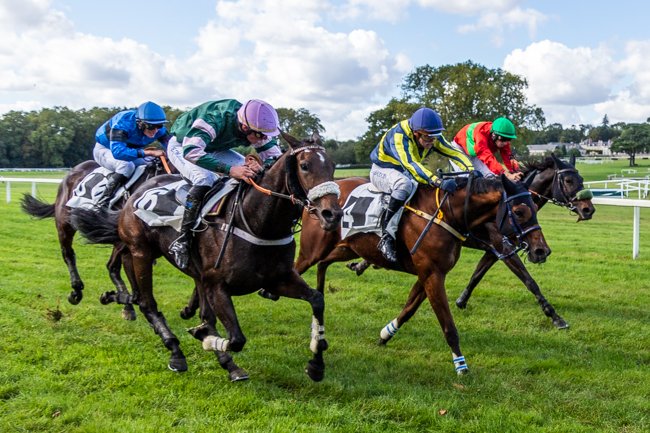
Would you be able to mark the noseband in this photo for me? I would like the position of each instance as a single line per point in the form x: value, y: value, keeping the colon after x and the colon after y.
x: 519, y: 231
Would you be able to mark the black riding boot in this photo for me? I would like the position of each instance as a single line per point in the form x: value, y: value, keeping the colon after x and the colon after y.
x: 387, y: 242
x: 180, y: 248
x: 115, y: 180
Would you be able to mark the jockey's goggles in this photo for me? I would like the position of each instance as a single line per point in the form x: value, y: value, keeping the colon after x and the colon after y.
x: 257, y: 134
x: 151, y: 126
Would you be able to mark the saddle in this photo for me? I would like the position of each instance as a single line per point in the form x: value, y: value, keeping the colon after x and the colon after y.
x: 164, y: 205
x: 92, y: 187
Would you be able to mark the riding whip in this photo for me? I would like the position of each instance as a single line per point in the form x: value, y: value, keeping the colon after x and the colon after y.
x: 229, y: 228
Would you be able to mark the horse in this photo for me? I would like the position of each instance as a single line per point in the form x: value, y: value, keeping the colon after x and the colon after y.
x: 550, y: 180
x: 66, y: 230
x: 479, y: 201
x: 251, y: 246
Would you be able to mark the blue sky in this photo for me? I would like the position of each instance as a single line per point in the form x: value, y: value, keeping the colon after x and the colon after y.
x: 339, y: 59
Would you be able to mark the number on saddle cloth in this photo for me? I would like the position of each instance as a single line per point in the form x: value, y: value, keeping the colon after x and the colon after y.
x: 92, y: 187
x: 164, y: 205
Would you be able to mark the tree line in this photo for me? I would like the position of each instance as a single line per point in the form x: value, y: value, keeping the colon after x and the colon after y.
x: 462, y: 93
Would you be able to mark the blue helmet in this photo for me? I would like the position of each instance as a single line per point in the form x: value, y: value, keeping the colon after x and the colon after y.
x: 152, y: 113
x: 425, y: 119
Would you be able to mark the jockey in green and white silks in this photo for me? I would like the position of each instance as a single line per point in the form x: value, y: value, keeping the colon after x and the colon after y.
x: 397, y: 167
x: 202, y: 150
x: 120, y: 143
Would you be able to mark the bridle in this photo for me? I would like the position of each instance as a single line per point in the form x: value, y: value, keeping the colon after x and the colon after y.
x: 559, y: 195
x: 506, y: 218
x: 303, y: 198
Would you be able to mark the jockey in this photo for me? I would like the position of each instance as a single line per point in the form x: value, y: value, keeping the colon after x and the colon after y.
x: 397, y: 167
x: 482, y: 140
x: 121, y: 141
x: 202, y: 151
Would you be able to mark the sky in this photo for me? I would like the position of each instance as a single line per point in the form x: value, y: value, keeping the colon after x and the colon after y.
x: 341, y: 60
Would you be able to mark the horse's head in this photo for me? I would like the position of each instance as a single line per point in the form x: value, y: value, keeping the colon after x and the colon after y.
x: 561, y: 184
x: 517, y: 216
x: 310, y: 173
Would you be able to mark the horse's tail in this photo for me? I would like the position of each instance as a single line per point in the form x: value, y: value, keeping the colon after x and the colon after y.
x: 36, y: 208
x: 98, y: 227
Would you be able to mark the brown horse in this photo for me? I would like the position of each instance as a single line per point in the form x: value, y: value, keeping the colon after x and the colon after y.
x: 465, y: 211
x: 256, y: 238
x: 66, y: 231
x: 551, y: 180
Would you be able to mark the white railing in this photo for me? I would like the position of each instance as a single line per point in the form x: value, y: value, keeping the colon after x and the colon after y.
x: 637, y: 205
x: 34, y: 181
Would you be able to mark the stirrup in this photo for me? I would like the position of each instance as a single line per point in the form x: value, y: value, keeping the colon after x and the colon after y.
x: 180, y: 250
x: 386, y: 246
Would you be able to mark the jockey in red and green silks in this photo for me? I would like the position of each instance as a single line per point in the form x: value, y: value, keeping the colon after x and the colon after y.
x: 482, y: 140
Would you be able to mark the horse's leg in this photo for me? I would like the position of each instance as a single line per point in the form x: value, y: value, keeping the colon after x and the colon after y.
x: 359, y: 267
x: 515, y: 264
x: 435, y: 290
x: 66, y: 236
x: 295, y: 287
x: 207, y: 333
x: 141, y: 280
x: 487, y: 261
x: 122, y: 296
x: 338, y: 254
x: 415, y: 299
x: 192, y: 305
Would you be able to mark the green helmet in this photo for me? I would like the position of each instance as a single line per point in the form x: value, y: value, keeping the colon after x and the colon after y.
x: 504, y: 128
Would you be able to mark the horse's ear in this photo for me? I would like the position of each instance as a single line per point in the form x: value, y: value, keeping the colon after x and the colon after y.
x: 293, y: 142
x: 572, y: 160
x: 508, y: 185
x: 555, y: 159
x: 315, y: 137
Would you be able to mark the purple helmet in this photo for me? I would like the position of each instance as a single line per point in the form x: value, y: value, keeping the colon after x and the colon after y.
x: 259, y: 116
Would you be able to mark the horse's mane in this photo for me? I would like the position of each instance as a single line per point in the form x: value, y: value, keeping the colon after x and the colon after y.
x: 480, y: 185
x: 542, y: 165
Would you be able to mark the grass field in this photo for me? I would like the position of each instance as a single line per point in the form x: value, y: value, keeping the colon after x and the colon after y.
x: 83, y: 369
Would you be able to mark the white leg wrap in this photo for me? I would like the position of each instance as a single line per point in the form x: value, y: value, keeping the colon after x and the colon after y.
x: 213, y: 343
x: 459, y: 363
x: 389, y: 330
x: 317, y: 334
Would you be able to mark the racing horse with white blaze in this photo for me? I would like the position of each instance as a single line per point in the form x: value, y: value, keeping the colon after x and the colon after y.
x: 251, y: 246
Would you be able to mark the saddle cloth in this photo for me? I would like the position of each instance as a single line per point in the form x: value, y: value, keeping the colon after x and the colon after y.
x: 92, y: 187
x: 165, y: 205
x: 362, y: 210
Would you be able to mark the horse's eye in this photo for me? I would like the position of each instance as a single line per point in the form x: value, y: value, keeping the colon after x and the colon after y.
x: 304, y: 166
x: 519, y: 213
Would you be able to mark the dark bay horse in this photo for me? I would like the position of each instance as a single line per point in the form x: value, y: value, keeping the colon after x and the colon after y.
x: 550, y: 180
x: 466, y: 210
x: 65, y: 229
x: 256, y: 233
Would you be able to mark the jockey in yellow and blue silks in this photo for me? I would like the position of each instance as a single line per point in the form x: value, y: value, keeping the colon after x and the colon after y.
x: 122, y: 140
x: 397, y: 167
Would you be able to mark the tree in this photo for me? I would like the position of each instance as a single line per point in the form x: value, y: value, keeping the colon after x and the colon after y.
x: 14, y: 129
x: 379, y: 122
x: 468, y: 92
x: 299, y: 123
x: 634, y: 138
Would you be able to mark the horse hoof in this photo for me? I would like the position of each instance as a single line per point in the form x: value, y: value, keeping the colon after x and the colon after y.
x: 560, y: 324
x: 128, y: 315
x: 238, y: 375
x: 187, y: 313
x: 381, y: 342
x: 315, y: 371
x: 461, y: 304
x: 462, y: 371
x: 177, y: 364
x: 75, y: 297
x: 106, y: 298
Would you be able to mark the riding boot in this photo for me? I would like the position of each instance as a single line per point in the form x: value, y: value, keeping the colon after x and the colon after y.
x: 115, y: 180
x: 180, y: 248
x: 387, y: 242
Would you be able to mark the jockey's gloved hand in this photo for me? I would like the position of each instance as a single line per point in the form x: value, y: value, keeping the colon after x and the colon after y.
x: 447, y: 185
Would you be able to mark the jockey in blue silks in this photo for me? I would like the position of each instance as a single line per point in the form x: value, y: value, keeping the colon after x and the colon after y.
x: 121, y: 141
